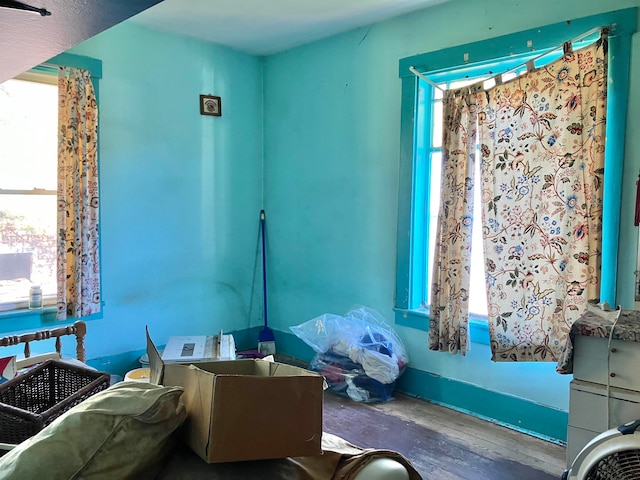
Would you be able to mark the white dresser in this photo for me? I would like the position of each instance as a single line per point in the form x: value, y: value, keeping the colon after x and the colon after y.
x: 588, y: 395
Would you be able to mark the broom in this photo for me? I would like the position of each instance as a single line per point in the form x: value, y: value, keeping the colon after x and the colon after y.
x: 266, y: 340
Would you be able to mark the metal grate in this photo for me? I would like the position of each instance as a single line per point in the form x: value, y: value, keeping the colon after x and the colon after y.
x: 624, y: 465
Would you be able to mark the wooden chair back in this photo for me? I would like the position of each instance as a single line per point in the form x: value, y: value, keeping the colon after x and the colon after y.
x: 79, y: 329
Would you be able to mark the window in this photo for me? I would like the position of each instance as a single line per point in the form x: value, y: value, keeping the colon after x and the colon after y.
x: 428, y: 136
x: 430, y: 145
x: 421, y: 124
x: 28, y: 177
x: 477, y: 297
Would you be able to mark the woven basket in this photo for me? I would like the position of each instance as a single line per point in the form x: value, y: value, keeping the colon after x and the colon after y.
x: 33, y: 400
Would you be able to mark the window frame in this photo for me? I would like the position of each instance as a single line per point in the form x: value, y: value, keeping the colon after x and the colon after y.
x: 412, y: 233
x: 47, y: 78
x: 424, y: 138
x: 21, y: 316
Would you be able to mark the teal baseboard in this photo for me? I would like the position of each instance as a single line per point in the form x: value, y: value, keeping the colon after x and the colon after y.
x: 121, y: 363
x: 117, y: 364
x: 289, y: 344
x: 512, y: 412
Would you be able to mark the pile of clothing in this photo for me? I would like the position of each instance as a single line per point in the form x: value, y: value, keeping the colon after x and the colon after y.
x: 358, y: 353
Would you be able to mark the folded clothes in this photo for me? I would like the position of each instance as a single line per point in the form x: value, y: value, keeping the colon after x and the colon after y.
x: 379, y: 366
x: 348, y: 379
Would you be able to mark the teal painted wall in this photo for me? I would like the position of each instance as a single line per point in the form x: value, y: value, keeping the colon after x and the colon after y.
x: 332, y: 136
x: 180, y: 192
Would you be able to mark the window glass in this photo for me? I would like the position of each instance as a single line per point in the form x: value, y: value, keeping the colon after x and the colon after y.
x: 434, y: 208
x: 436, y: 130
x: 28, y: 164
x: 477, y: 292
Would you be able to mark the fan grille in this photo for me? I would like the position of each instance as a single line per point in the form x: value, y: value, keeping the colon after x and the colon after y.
x: 624, y: 465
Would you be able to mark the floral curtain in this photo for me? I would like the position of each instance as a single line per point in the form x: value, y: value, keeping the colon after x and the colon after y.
x: 78, y: 263
x: 542, y: 140
x: 449, y: 303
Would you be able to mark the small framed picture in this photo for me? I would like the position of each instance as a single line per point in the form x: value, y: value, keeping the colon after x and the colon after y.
x: 210, y: 105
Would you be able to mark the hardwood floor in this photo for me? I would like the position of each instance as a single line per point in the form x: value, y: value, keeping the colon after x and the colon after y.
x: 442, y: 443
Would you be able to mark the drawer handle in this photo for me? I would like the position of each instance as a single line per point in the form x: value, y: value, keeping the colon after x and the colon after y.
x: 614, y: 350
x: 612, y: 374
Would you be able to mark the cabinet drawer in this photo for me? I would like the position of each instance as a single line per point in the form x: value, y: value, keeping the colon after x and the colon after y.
x: 590, y: 362
x: 588, y: 406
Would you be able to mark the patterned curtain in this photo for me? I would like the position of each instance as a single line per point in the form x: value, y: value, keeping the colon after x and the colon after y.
x: 449, y: 303
x: 78, y: 257
x: 542, y: 147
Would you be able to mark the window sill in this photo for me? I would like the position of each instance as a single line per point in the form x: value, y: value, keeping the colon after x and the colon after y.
x: 419, y: 319
x: 25, y: 319
x: 23, y: 312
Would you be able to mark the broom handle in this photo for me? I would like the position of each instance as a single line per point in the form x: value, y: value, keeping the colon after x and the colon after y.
x: 264, y: 268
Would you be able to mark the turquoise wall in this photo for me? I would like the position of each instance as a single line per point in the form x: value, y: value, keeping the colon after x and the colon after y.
x: 180, y: 192
x: 332, y: 140
x: 314, y: 131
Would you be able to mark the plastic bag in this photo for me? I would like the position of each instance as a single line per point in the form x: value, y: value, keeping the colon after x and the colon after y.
x: 348, y: 379
x: 363, y: 336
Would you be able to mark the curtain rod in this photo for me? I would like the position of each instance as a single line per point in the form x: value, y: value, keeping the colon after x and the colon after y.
x: 558, y: 47
x: 413, y: 70
x: 22, y: 6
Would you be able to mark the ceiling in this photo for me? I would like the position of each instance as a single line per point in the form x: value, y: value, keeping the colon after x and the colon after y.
x: 263, y: 27
x: 28, y: 39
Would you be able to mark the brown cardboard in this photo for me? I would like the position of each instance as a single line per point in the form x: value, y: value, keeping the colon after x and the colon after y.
x: 245, y: 409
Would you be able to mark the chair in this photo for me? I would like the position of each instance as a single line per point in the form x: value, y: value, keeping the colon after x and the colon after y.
x: 79, y: 329
x: 15, y: 265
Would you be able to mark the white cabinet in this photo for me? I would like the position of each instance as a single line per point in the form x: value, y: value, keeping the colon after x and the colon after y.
x: 588, y: 401
x: 590, y: 362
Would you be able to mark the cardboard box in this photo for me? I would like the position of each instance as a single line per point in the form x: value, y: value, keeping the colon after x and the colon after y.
x: 245, y: 409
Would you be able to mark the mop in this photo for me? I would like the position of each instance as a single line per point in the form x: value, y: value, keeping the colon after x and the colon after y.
x: 266, y: 340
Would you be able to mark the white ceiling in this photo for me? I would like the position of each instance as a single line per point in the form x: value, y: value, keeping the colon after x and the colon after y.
x: 28, y: 39
x: 263, y: 27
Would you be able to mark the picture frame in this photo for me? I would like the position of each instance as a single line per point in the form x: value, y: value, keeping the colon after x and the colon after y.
x: 210, y: 105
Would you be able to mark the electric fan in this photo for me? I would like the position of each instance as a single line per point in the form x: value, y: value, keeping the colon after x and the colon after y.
x: 612, y: 455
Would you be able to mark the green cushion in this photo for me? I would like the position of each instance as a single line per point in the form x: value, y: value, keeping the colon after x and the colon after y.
x: 121, y: 432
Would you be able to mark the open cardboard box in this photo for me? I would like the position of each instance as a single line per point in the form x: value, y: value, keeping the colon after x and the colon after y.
x: 245, y: 409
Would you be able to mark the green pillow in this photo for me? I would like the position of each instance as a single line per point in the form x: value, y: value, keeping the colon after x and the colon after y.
x: 121, y: 432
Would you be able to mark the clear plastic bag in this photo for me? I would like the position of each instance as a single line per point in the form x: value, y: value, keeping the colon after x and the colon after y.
x: 348, y: 379
x: 361, y: 335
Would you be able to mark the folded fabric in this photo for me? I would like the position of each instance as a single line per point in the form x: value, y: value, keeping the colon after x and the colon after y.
x: 379, y: 366
x: 340, y: 460
x: 121, y: 432
x: 343, y: 460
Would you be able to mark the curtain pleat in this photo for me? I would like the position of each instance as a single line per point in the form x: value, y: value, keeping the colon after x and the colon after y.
x: 78, y: 262
x: 449, y: 303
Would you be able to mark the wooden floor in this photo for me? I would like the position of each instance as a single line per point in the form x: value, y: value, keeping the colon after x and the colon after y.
x: 441, y: 443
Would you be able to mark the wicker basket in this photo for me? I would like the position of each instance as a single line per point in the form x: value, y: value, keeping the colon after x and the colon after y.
x: 33, y: 400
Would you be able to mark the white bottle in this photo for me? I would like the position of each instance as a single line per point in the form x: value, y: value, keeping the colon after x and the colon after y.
x: 35, y: 297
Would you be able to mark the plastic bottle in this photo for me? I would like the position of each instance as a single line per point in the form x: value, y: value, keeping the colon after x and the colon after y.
x: 35, y: 297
